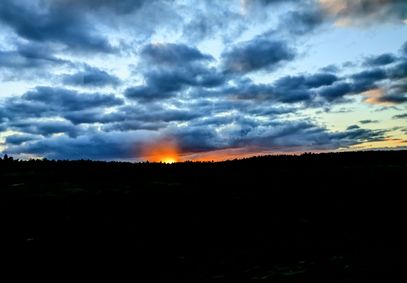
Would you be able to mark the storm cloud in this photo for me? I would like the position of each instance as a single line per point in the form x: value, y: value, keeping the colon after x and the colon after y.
x: 173, y: 54
x: 52, y: 23
x: 91, y: 77
x: 255, y: 55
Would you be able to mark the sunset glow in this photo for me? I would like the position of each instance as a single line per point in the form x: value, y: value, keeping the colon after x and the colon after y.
x: 165, y: 151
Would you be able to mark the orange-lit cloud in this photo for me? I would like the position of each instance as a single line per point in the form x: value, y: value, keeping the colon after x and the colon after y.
x: 362, y: 12
x: 334, y: 6
x: 375, y: 96
x: 164, y: 150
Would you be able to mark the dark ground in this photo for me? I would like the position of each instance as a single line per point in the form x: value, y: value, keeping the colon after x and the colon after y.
x: 310, y: 218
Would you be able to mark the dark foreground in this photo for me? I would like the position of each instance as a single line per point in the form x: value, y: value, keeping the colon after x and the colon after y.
x: 312, y: 218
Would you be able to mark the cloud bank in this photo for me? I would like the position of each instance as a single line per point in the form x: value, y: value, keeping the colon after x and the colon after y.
x: 99, y: 79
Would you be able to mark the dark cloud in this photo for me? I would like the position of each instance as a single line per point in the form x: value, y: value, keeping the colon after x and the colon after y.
x: 167, y: 81
x: 380, y: 60
x: 173, y: 54
x: 130, y: 125
x: 64, y: 99
x: 161, y: 84
x: 399, y: 87
x: 148, y: 93
x: 336, y: 92
x: 250, y: 4
x: 368, y: 79
x: 358, y: 134
x: 370, y: 75
x: 166, y: 115
x: 197, y: 139
x: 270, y: 110
x: 276, y: 135
x: 169, y: 69
x: 133, y: 117
x: 288, y: 89
x: 20, y: 138
x: 52, y: 24
x: 393, y: 98
x: 91, y: 77
x: 53, y: 102
x: 246, y: 90
x: 320, y: 79
x: 404, y: 49
x: 368, y: 121
x: 400, y: 116
x: 154, y: 113
x: 99, y: 146
x: 91, y: 116
x: 301, y: 19
x: 324, y: 87
x: 294, y: 89
x: 397, y: 92
x: 269, y: 2
x: 330, y: 69
x: 370, y: 82
x: 301, y: 22
x: 120, y: 7
x: 257, y: 54
x: 129, y: 21
x: 303, y: 135
x: 213, y: 18
x: 352, y: 127
x: 398, y: 71
x: 310, y: 89
x: 45, y: 128
x: 28, y: 56
x: 21, y: 109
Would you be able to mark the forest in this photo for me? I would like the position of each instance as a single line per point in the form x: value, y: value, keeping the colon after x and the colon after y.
x: 329, y: 217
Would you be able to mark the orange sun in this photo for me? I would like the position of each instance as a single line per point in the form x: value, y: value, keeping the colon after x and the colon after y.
x: 165, y: 150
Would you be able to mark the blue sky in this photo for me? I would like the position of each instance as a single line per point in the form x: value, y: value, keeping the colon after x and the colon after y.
x: 105, y: 79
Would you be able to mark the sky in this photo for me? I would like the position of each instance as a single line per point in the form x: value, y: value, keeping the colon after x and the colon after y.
x: 176, y: 80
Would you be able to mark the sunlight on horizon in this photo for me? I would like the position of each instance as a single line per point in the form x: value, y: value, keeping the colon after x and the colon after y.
x: 163, y: 150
